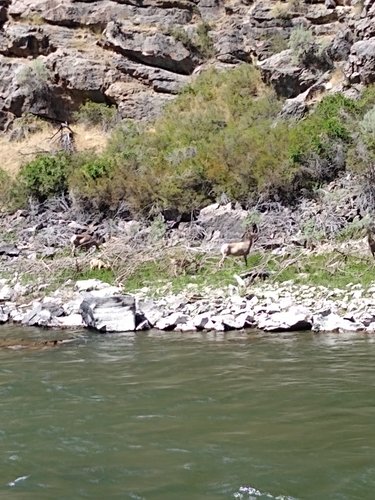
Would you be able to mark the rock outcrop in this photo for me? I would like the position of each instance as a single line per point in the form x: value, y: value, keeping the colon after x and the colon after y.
x: 138, y: 54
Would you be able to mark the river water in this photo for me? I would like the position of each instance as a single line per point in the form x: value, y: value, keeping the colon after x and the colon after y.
x: 179, y: 416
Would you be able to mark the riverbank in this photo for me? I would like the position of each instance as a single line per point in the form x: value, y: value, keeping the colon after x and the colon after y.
x: 278, y: 306
x: 310, y: 268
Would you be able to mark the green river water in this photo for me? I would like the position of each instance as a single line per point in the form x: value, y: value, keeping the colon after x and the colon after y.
x: 178, y: 416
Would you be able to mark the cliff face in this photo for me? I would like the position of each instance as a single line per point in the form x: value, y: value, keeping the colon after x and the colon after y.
x: 137, y: 54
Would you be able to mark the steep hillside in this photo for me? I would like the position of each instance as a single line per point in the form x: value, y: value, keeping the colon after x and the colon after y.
x: 138, y: 54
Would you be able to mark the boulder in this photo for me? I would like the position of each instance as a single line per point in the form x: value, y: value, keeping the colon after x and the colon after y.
x: 235, y: 321
x: 74, y: 14
x: 106, y: 292
x: 83, y: 76
x: 22, y: 40
x: 71, y: 321
x: 365, y: 28
x: 320, y: 14
x: 288, y: 78
x: 227, y: 221
x: 149, y: 310
x: 6, y: 293
x: 361, y: 66
x: 230, y: 47
x: 135, y: 101
x: 295, y: 319
x: 159, y: 79
x: 339, y: 48
x: 37, y: 317
x: 89, y: 285
x: 9, y: 250
x: 171, y: 321
x: 328, y: 321
x: 185, y: 327
x: 203, y: 321
x: 111, y: 314
x: 153, y: 49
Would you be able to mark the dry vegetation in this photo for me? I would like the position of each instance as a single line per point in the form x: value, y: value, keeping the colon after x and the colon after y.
x: 161, y: 267
x: 18, y: 153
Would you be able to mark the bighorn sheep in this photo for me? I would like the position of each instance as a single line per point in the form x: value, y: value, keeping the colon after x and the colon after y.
x: 84, y: 241
x: 98, y: 264
x: 240, y: 248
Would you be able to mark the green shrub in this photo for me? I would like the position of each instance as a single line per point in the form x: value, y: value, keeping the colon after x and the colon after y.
x: 331, y: 121
x: 222, y: 134
x: 367, y: 123
x: 303, y: 45
x: 7, y: 185
x: 44, y: 176
x: 276, y: 43
x: 97, y: 114
x: 34, y: 76
x: 203, y: 41
x: 200, y: 42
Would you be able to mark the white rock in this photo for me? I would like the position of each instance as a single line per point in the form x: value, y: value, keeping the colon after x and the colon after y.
x: 185, y: 327
x: 106, y: 292
x: 150, y: 310
x: 71, y: 321
x: 6, y: 293
x: 296, y: 318
x: 171, y: 321
x: 112, y: 314
x: 334, y: 323
x: 91, y: 284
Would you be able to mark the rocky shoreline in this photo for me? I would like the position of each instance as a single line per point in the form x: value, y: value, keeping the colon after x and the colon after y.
x: 268, y: 307
x: 35, y: 254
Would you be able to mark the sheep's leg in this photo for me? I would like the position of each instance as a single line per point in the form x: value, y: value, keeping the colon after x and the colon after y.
x: 245, y: 259
x: 221, y: 262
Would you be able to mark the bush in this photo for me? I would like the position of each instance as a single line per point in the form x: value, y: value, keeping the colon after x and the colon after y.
x: 367, y: 124
x: 282, y: 11
x: 222, y: 134
x: 6, y: 190
x: 203, y: 41
x: 303, y: 45
x: 200, y: 42
x: 35, y: 76
x: 45, y: 176
x: 276, y: 43
x: 97, y: 114
x: 332, y: 120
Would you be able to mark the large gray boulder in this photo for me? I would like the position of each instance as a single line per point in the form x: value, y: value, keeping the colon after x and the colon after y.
x: 112, y: 314
x: 37, y: 317
x: 288, y: 78
x: 224, y: 220
x: 22, y: 40
x: 154, y: 49
x: 295, y: 319
x: 361, y: 67
x: 159, y: 79
x: 6, y: 293
x: 328, y: 321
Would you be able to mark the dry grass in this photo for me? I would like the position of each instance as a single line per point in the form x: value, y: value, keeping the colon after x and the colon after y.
x: 281, y: 10
x: 15, y: 154
x: 337, y: 76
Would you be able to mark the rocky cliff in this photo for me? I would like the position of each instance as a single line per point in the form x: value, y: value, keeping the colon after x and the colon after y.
x: 137, y: 54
